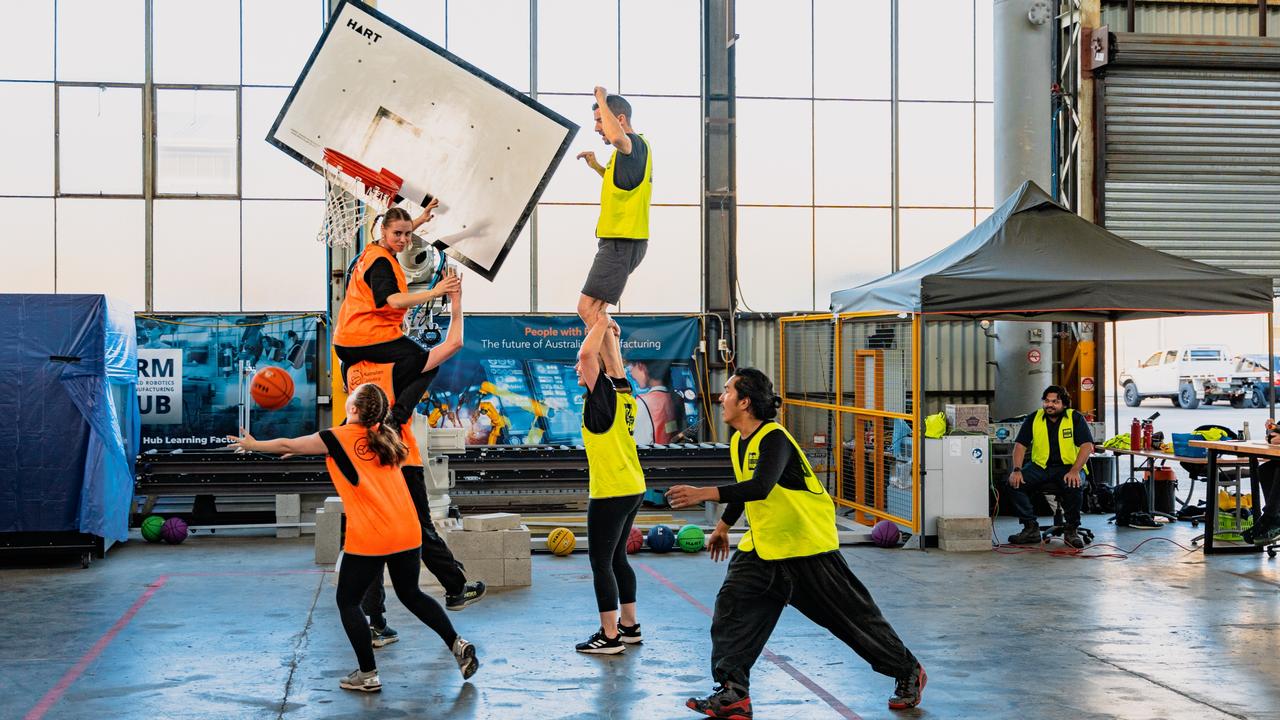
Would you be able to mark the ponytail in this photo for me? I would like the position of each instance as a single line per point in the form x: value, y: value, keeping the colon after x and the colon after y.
x: 374, y: 413
x: 756, y: 387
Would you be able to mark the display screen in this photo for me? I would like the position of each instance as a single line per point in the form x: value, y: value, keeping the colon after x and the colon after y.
x: 556, y: 386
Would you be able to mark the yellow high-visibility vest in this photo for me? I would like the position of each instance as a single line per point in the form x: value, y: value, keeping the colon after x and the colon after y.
x: 787, y: 523
x: 1066, y: 439
x: 625, y: 213
x: 612, y: 460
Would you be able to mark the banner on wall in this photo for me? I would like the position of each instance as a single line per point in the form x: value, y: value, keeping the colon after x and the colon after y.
x: 514, y: 382
x: 189, y: 376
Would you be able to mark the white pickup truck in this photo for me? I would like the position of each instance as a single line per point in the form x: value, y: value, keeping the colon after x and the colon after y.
x: 1189, y: 375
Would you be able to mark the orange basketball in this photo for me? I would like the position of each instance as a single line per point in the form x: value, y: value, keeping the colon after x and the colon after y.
x: 272, y: 388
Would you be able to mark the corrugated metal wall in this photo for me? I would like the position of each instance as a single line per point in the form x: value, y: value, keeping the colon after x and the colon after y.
x: 1190, y: 19
x: 957, y: 364
x: 956, y: 360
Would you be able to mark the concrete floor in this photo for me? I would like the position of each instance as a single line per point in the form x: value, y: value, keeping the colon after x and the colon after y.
x: 245, y: 627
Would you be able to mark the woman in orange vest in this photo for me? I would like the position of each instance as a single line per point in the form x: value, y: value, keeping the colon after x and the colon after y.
x: 372, y: 314
x: 364, y: 458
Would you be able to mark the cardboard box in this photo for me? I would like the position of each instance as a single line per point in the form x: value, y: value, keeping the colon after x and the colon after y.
x: 967, y: 418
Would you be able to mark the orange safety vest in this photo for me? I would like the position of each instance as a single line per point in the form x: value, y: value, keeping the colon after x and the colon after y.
x: 360, y: 321
x: 380, y: 515
x: 367, y: 371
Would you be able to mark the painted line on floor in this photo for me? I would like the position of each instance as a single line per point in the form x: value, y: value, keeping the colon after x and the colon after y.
x: 55, y: 694
x: 786, y: 667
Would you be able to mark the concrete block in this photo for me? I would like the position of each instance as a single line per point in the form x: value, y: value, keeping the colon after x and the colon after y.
x: 965, y: 527
x: 490, y: 571
x: 515, y: 543
x: 491, y: 521
x: 517, y: 571
x: 333, y: 505
x: 288, y: 532
x: 964, y: 534
x: 474, y: 545
x: 328, y: 537
x: 288, y: 506
x: 966, y: 545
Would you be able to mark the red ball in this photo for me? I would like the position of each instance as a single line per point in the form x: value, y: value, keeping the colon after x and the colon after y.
x: 635, y: 540
x: 272, y: 388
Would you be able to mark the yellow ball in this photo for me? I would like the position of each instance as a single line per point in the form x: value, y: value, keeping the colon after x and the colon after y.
x: 561, y: 541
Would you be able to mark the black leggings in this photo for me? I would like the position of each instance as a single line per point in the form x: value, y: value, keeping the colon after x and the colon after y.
x: 435, y: 553
x: 354, y: 577
x: 609, y: 521
x: 408, y: 381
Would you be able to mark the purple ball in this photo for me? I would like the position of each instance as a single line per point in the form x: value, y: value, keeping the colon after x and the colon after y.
x: 174, y: 530
x: 886, y: 534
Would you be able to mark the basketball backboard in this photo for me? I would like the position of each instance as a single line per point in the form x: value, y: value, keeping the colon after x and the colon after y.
x: 389, y: 98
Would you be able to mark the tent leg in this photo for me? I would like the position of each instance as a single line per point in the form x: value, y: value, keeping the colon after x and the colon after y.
x: 1115, y: 395
x: 1271, y: 364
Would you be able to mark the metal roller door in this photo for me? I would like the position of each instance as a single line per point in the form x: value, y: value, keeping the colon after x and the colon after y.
x: 1192, y: 163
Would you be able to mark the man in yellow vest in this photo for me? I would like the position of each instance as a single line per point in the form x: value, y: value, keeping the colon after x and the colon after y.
x: 790, y: 556
x: 625, y: 190
x: 1060, y: 444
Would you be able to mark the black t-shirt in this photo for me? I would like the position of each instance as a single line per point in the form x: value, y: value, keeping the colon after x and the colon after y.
x: 778, y: 464
x: 628, y: 170
x: 1079, y: 433
x: 602, y: 402
x: 381, y: 279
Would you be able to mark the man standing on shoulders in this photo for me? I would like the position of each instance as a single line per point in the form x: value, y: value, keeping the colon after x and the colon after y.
x: 623, y: 228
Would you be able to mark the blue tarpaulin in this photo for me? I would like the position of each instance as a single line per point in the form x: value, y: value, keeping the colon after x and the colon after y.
x: 69, y: 422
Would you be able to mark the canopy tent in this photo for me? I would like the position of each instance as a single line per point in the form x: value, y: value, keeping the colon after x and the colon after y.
x: 1034, y: 260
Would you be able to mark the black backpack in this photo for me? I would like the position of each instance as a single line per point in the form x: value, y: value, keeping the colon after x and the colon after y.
x: 1130, y: 499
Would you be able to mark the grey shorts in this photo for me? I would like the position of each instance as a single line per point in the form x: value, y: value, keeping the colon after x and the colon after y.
x: 614, y: 263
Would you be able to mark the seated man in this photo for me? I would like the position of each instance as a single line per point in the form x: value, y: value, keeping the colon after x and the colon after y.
x: 1060, y: 444
x: 1266, y: 529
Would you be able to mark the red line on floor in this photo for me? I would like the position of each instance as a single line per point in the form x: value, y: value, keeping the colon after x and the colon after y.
x: 786, y: 667
x: 55, y: 694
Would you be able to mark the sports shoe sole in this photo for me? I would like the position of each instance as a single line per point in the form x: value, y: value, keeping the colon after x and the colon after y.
x: 630, y: 640
x: 383, y: 642
x: 602, y: 651
x: 734, y: 716
x: 471, y: 664
x: 359, y: 688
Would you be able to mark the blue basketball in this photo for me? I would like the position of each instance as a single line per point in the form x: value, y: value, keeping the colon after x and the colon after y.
x: 661, y: 539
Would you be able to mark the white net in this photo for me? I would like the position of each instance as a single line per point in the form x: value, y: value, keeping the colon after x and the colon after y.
x: 343, y: 208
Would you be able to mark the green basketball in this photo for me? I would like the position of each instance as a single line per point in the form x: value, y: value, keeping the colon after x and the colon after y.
x: 691, y: 539
x: 151, y: 528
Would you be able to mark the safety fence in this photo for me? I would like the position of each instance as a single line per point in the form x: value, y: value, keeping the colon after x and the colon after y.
x: 848, y: 387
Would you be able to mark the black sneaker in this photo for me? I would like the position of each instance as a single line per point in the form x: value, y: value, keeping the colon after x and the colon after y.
x: 471, y: 593
x: 1071, y: 536
x: 909, y: 690
x: 598, y: 644
x: 1264, y: 533
x: 630, y: 634
x: 729, y: 701
x: 1030, y: 535
x: 383, y: 636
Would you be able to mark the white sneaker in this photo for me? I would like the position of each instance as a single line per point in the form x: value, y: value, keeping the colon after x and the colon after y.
x: 362, y: 681
x: 465, y: 653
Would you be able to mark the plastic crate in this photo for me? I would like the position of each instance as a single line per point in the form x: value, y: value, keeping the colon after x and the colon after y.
x: 1227, y: 529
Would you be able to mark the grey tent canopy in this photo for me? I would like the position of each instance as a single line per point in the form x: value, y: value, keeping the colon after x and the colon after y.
x: 1034, y: 260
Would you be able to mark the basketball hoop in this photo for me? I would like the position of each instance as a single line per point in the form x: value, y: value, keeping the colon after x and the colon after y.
x: 346, y: 184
